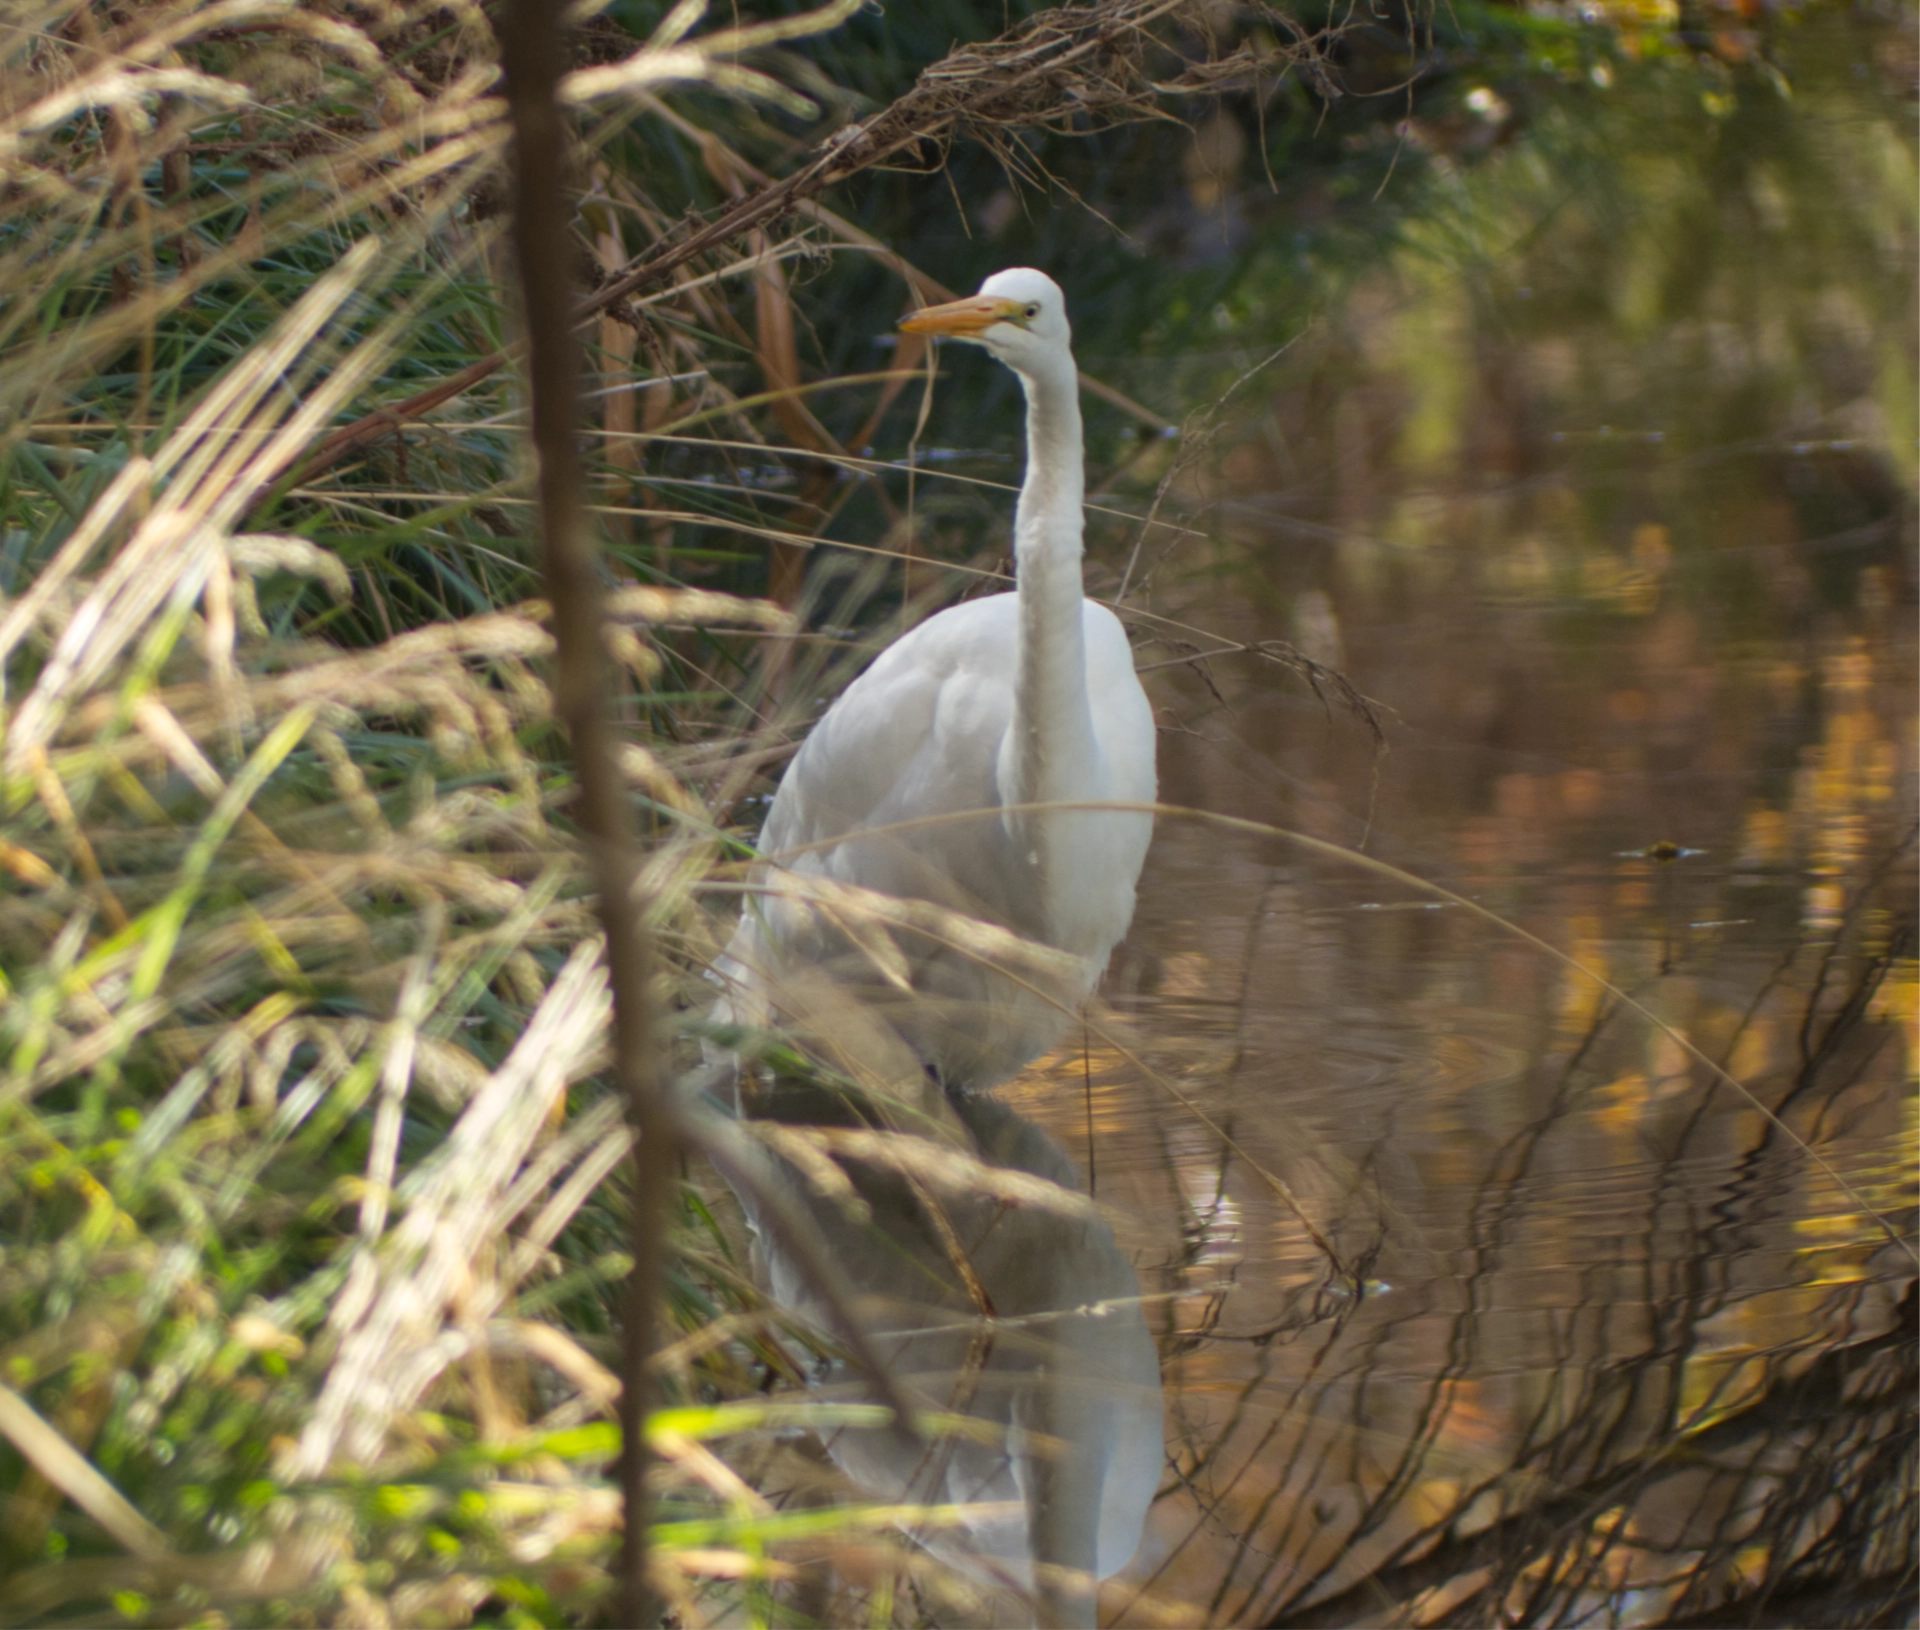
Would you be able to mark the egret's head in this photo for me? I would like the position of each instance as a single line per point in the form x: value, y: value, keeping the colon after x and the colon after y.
x: 1019, y: 315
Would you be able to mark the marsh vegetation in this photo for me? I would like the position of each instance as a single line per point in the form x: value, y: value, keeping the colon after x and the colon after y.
x: 1500, y: 429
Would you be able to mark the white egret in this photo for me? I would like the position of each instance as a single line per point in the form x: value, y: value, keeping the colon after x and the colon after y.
x: 923, y: 780
x: 930, y: 780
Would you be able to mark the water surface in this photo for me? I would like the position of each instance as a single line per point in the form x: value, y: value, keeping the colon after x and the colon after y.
x: 1474, y: 1283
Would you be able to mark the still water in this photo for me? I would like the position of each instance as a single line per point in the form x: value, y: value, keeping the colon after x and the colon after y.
x: 1479, y: 1293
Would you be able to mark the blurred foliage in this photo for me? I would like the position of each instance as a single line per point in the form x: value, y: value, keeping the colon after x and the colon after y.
x: 1644, y: 331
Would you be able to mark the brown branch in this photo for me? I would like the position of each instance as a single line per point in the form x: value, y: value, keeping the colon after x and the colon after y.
x: 1068, y: 69
x: 532, y: 51
x: 389, y: 420
x: 1822, y: 1390
x: 1889, y: 1598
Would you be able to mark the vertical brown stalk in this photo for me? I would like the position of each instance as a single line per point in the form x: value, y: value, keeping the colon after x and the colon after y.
x: 532, y: 53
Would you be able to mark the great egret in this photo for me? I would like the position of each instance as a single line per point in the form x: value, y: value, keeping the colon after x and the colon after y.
x: 929, y: 780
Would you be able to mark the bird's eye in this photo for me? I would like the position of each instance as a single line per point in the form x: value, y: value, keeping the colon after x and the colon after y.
x: 1032, y: 312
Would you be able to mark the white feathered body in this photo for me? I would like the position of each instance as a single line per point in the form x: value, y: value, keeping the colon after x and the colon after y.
x: 937, y: 795
x: 904, y: 788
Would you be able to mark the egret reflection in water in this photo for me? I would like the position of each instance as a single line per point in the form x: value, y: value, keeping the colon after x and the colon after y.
x: 988, y: 1295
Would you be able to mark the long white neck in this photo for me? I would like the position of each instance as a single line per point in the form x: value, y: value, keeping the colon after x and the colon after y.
x: 1054, y: 751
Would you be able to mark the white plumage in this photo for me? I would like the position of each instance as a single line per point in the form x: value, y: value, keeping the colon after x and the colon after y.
x: 961, y: 726
x: 930, y: 781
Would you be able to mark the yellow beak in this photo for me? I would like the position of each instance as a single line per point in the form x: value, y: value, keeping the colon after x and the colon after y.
x: 965, y: 319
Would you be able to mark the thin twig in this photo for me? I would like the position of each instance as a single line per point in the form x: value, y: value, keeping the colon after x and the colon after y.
x: 1064, y: 67
x: 533, y: 57
x: 1196, y: 437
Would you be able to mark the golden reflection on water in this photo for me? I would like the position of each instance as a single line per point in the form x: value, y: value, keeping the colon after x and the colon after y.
x: 1606, y: 501
x: 1416, y: 1205
x: 1533, y: 1189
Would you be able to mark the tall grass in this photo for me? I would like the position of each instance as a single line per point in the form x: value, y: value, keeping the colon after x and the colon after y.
x: 313, y: 1225
x: 308, y: 1231
x: 312, y: 1247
